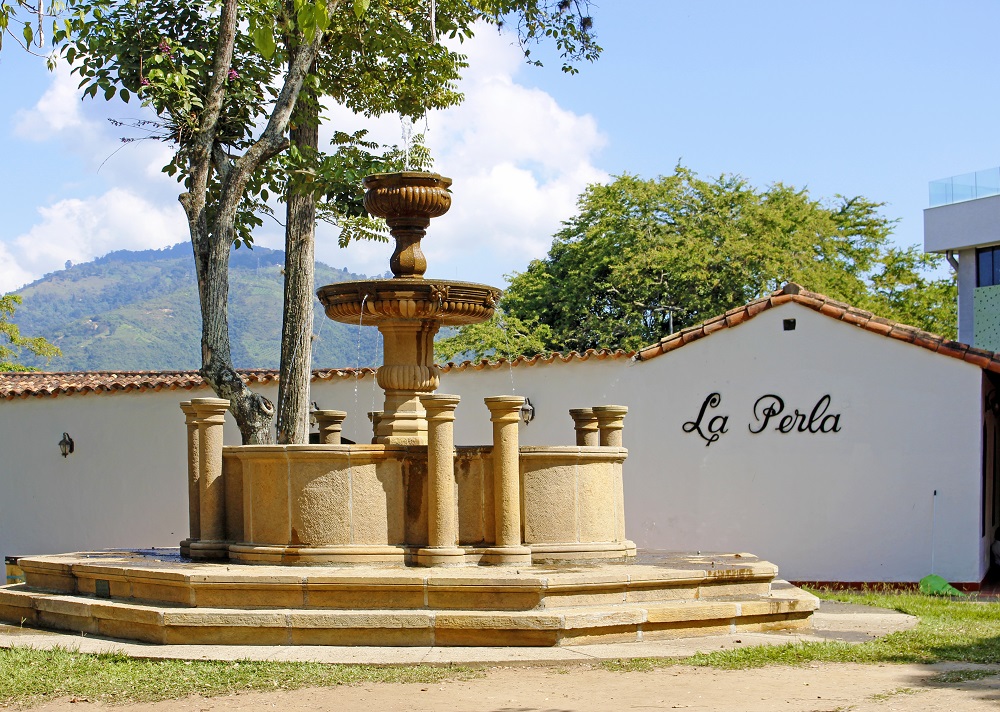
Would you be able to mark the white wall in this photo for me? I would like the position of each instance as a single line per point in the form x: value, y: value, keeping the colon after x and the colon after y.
x: 851, y: 506
x: 123, y: 485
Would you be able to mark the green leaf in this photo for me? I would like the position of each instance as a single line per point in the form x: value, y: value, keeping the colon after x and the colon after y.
x: 263, y: 40
x: 361, y: 7
x: 29, y: 35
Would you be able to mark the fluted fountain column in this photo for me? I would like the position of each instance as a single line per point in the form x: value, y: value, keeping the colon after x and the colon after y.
x: 194, y: 496
x: 505, y: 413
x: 211, y: 416
x: 442, y: 521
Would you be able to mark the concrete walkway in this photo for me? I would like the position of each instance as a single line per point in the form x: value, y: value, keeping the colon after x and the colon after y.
x: 834, y: 621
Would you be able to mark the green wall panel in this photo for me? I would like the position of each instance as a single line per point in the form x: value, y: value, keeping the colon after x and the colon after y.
x: 986, y: 308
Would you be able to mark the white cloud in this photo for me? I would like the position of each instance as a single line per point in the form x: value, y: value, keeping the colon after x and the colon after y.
x: 80, y: 230
x: 12, y: 275
x: 58, y: 110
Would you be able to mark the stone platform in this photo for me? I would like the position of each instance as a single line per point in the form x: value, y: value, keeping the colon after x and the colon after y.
x: 158, y: 597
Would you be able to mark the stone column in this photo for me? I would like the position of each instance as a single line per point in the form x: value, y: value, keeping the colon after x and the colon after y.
x: 610, y: 421
x: 331, y: 423
x: 194, y: 498
x: 442, y: 521
x: 211, y: 414
x: 585, y: 424
x: 505, y: 413
x: 375, y: 416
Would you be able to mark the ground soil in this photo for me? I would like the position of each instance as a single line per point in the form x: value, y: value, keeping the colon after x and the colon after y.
x: 584, y: 688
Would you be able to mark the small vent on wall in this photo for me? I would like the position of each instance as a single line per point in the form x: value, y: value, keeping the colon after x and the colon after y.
x: 788, y: 324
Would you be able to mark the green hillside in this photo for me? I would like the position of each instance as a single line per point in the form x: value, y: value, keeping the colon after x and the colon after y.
x: 139, y: 311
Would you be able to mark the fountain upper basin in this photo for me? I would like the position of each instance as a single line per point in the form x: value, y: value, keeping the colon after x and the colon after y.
x: 447, y: 302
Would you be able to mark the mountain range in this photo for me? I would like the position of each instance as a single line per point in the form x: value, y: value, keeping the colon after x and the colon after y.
x: 138, y: 310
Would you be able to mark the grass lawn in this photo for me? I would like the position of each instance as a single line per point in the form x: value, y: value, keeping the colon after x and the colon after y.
x: 948, y: 631
x: 29, y: 676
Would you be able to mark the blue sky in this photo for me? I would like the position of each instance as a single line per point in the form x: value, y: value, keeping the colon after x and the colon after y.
x: 858, y: 98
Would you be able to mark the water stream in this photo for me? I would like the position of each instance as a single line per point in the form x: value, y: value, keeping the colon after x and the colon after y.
x: 502, y: 325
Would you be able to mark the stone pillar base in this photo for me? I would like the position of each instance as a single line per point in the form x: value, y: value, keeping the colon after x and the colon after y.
x: 186, y: 547
x: 506, y: 556
x: 209, y: 549
x: 439, y: 556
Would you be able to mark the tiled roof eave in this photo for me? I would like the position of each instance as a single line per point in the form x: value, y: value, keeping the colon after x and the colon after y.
x: 51, y: 384
x: 831, y: 308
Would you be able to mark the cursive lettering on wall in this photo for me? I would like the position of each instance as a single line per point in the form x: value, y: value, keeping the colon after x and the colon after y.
x: 770, y: 408
x: 716, y: 425
x: 769, y: 413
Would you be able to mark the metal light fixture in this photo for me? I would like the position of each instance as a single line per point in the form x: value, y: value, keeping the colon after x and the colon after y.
x: 527, y: 411
x: 66, y: 445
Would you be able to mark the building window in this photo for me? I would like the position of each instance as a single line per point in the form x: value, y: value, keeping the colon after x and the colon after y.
x: 987, y: 266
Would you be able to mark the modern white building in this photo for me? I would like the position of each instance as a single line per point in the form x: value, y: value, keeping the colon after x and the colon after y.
x: 963, y: 222
x: 841, y: 446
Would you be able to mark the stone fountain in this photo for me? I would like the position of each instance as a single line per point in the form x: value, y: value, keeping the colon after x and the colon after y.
x: 408, y: 540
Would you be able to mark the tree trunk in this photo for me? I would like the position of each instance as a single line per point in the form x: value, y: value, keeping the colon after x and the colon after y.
x: 297, y: 322
x: 253, y: 412
x: 212, y: 242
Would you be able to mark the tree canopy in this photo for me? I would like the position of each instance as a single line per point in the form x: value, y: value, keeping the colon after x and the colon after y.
x: 13, y: 343
x: 642, y: 254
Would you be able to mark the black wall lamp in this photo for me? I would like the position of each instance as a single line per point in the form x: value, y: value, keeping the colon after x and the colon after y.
x: 66, y: 445
x: 527, y: 411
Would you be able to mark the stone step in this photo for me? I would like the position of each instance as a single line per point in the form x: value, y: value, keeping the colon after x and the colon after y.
x: 786, y: 607
x: 144, y: 579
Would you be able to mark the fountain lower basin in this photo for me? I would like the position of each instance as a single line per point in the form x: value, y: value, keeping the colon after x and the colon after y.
x: 354, y: 504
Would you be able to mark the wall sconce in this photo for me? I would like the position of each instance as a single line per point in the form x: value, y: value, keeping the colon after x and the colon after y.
x: 66, y: 445
x: 527, y: 411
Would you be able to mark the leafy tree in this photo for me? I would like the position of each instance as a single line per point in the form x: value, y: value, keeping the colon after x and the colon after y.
x: 226, y: 98
x: 13, y: 342
x: 503, y: 336
x: 642, y: 253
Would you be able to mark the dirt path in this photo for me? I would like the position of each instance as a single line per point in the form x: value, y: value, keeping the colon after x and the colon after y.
x: 816, y: 688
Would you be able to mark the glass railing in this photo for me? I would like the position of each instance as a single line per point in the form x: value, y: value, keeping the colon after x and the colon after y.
x: 968, y: 186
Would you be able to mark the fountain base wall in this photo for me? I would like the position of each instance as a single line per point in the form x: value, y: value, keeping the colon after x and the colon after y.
x: 362, y: 504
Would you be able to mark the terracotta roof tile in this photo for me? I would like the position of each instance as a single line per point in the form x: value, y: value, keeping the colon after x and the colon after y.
x: 879, y: 326
x: 736, y: 317
x: 48, y: 383
x: 596, y: 354
x: 835, y: 310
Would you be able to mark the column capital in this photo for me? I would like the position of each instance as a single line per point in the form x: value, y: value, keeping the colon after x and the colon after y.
x: 440, y: 405
x: 609, y: 413
x: 504, y: 409
x: 213, y: 409
x: 611, y: 421
x: 330, y: 423
x: 189, y: 412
